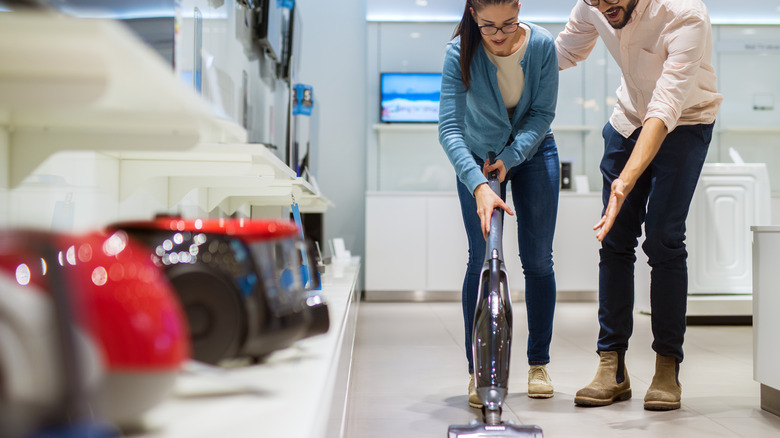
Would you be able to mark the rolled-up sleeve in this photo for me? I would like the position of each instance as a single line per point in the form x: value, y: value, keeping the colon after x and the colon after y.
x: 535, y: 125
x: 577, y: 40
x: 680, y: 69
x: 452, y: 113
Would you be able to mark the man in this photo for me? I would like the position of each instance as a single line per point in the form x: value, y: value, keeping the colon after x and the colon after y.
x: 655, y: 144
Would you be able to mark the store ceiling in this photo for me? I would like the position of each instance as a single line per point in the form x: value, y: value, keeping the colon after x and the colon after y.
x: 721, y: 11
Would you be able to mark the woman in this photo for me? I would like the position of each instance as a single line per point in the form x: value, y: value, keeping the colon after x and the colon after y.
x: 499, y: 90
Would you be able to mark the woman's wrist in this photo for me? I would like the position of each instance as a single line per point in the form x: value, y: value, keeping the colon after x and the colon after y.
x: 477, y: 189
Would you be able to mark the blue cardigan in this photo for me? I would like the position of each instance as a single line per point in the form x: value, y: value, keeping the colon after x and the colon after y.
x: 474, y: 122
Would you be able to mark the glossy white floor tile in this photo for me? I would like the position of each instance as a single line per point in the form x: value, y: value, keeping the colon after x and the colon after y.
x: 410, y: 378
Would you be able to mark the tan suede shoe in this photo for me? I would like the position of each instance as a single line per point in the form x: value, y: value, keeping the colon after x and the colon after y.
x: 665, y: 391
x: 611, y: 383
x: 474, y: 400
x: 539, y: 382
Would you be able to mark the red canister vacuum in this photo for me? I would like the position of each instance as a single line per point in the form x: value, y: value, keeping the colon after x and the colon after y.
x: 240, y: 282
x: 90, y: 333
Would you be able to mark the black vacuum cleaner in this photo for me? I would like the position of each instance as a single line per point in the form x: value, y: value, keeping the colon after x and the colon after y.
x: 492, y: 338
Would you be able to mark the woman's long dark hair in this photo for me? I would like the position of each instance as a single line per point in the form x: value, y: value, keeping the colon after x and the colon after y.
x: 469, y: 35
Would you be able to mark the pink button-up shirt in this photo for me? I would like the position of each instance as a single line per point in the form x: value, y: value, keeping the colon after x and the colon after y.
x: 665, y: 54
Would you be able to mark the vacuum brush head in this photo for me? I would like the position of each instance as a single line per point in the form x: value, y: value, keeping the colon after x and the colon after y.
x: 503, y: 430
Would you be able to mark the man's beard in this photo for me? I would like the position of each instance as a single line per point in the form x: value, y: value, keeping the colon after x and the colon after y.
x: 627, y: 11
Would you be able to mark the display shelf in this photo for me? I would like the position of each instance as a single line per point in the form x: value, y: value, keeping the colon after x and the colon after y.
x: 401, y: 127
x: 298, y: 392
x: 574, y: 128
x: 86, y: 84
x: 451, y: 193
x: 389, y: 127
x: 758, y: 130
x: 236, y: 173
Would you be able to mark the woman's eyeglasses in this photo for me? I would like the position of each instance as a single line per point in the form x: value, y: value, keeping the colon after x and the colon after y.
x: 595, y: 3
x: 489, y: 30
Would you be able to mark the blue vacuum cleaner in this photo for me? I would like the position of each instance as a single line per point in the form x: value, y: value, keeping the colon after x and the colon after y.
x: 492, y: 338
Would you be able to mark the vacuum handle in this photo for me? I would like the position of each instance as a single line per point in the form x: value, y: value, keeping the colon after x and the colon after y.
x: 493, y: 174
x: 496, y: 222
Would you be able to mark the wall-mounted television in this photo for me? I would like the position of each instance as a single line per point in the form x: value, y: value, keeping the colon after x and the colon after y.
x: 270, y: 18
x: 409, y: 97
x: 291, y: 41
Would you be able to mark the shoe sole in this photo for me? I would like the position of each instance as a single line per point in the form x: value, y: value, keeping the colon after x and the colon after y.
x: 540, y: 395
x: 475, y: 405
x: 588, y: 401
x: 661, y: 406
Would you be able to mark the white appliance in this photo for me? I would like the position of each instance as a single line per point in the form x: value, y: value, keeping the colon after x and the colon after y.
x: 729, y: 199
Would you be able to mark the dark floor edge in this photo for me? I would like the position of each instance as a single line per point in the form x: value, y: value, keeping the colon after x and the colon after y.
x: 770, y: 399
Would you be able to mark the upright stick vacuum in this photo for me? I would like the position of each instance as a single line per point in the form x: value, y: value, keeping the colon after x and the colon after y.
x: 492, y: 338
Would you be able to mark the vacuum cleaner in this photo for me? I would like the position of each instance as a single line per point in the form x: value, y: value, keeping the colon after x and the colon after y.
x: 239, y: 281
x: 492, y: 338
x: 91, y: 334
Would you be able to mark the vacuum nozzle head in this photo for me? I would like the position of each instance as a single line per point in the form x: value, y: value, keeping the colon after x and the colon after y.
x: 503, y: 430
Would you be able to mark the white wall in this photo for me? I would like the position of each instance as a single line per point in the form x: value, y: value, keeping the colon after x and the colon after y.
x: 334, y: 63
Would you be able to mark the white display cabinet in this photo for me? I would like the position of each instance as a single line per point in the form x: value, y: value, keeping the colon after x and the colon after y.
x: 396, y: 242
x: 418, y: 250
x: 766, y: 325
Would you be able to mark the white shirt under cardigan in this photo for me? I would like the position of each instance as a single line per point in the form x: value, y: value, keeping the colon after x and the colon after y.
x: 665, y: 55
x: 511, y: 79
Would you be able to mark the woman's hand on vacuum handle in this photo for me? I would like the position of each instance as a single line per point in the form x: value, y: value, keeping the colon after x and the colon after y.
x: 487, y: 201
x: 498, y: 165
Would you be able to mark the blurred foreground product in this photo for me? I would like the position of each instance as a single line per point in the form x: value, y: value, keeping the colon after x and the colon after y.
x: 89, y: 327
x: 241, y: 283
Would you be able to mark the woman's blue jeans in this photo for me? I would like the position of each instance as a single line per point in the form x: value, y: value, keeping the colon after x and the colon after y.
x: 535, y: 187
x: 660, y: 199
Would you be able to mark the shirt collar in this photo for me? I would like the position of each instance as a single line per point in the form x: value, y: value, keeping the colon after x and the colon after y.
x: 639, y: 10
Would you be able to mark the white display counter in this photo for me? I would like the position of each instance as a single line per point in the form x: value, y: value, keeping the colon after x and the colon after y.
x: 421, y: 234
x: 766, y: 324
x: 299, y: 392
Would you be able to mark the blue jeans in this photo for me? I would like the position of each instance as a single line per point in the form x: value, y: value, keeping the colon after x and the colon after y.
x: 660, y: 200
x: 535, y: 186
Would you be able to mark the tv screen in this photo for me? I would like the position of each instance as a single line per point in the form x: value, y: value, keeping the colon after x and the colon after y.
x: 269, y: 32
x: 291, y: 41
x: 410, y: 97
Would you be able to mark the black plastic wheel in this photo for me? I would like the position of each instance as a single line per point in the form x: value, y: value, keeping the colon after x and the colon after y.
x: 216, y: 314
